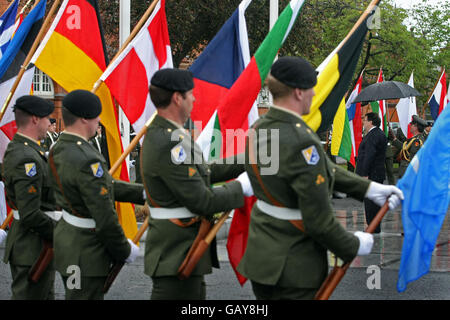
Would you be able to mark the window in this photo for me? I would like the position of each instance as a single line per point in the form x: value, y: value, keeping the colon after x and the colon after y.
x: 42, y: 85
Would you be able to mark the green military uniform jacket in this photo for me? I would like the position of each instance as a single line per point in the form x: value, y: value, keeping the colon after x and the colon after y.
x: 26, y: 178
x: 89, y: 192
x: 409, y: 148
x: 277, y: 252
x: 173, y: 179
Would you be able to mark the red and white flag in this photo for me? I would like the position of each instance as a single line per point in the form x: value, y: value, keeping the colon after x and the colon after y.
x: 406, y: 108
x: 128, y: 77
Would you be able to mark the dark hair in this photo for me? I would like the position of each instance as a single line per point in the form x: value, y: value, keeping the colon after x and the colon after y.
x: 68, y: 117
x: 373, y: 117
x: 161, y: 97
x: 277, y: 88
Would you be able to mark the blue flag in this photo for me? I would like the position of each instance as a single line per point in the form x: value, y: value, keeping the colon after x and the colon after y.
x: 32, y: 21
x: 7, y: 21
x: 426, y: 187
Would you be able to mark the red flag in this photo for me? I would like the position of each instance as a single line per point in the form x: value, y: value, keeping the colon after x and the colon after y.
x: 128, y: 77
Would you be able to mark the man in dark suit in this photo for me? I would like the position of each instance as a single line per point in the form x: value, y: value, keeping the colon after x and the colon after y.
x: 371, y: 158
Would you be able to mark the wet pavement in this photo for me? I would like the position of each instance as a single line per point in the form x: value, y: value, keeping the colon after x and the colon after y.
x: 133, y: 284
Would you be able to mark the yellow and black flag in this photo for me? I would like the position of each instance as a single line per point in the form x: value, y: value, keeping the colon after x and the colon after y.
x: 336, y: 73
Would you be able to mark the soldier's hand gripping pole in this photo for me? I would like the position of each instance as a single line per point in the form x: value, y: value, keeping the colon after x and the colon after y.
x: 200, y: 246
x: 115, y: 269
x: 336, y: 275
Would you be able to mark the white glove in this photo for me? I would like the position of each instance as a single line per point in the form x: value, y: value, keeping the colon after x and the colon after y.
x: 134, y: 252
x: 379, y: 193
x: 365, y: 243
x: 3, y: 235
x: 394, y: 202
x: 245, y: 183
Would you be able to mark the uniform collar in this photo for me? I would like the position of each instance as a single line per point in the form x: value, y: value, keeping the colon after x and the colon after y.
x: 26, y: 140
x: 169, y: 124
x: 283, y: 114
x: 72, y: 135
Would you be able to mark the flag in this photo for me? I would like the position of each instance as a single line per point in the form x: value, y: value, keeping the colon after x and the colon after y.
x: 347, y: 127
x: 232, y: 114
x: 233, y: 110
x: 438, y: 99
x: 426, y: 188
x: 128, y: 77
x: 335, y: 75
x: 379, y: 107
x: 406, y: 108
x: 10, y: 64
x: 7, y: 26
x: 73, y: 54
x: 218, y: 67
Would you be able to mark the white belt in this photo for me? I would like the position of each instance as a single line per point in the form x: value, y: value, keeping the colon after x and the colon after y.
x: 55, y: 215
x: 171, y: 213
x: 85, y: 223
x: 279, y: 212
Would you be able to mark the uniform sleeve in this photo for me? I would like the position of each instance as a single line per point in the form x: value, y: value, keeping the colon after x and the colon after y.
x: 310, y: 181
x: 349, y: 182
x: 227, y: 169
x: 28, y: 179
x: 96, y: 195
x: 128, y: 192
x: 188, y: 186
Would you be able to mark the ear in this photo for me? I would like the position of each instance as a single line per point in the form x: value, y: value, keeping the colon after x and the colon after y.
x: 177, y: 98
x: 298, y: 94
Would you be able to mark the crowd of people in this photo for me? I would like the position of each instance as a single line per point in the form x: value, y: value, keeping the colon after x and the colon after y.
x: 65, y: 200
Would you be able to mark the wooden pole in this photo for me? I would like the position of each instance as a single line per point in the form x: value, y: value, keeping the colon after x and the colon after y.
x: 7, y: 220
x: 132, y: 145
x: 130, y: 38
x: 29, y: 56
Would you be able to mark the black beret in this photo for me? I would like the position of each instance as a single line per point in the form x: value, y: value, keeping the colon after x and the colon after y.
x: 173, y: 80
x: 34, y: 105
x: 83, y: 104
x: 294, y: 72
x: 419, y: 121
x: 52, y: 120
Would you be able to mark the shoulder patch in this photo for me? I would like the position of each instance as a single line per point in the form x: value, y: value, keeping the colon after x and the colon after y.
x: 97, y: 169
x: 311, y: 155
x: 178, y: 154
x: 30, y: 169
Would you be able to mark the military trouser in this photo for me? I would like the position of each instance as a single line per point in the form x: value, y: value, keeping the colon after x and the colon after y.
x: 22, y: 289
x: 172, y: 288
x: 268, y: 292
x: 90, y: 288
x: 389, y: 163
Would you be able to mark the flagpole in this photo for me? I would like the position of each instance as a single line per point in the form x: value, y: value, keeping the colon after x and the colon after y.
x: 9, y: 7
x: 130, y: 38
x: 23, y: 9
x: 29, y: 56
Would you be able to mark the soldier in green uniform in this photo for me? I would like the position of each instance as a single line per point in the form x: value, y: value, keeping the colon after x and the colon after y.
x: 292, y: 223
x: 178, y: 184
x: 51, y: 136
x: 88, y: 238
x: 412, y: 145
x: 30, y: 195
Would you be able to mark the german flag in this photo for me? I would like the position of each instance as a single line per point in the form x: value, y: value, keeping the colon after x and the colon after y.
x: 336, y: 73
x: 73, y: 54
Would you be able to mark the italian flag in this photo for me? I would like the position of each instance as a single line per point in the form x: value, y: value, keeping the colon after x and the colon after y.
x: 380, y: 108
x: 232, y: 113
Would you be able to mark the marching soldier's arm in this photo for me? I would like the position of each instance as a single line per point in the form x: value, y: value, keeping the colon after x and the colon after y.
x: 397, y: 144
x: 128, y: 192
x: 28, y: 189
x: 186, y: 183
x: 95, y: 194
x: 310, y: 182
x: 349, y: 182
x: 228, y: 168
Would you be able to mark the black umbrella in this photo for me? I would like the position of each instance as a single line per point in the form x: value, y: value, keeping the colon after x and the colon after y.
x: 386, y: 90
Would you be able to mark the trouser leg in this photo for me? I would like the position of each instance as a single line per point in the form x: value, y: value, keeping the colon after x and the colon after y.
x: 172, y: 288
x: 22, y: 289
